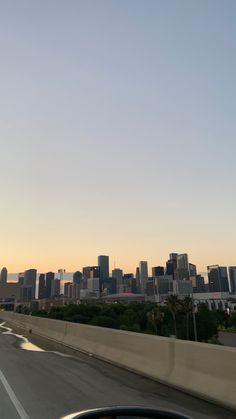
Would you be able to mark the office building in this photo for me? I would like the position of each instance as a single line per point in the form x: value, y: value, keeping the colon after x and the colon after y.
x: 170, y: 268
x: 143, y: 271
x: 117, y: 274
x: 192, y: 269
x: 182, y: 287
x: 171, y: 264
x: 198, y: 283
x: 21, y: 278
x: 103, y: 263
x: 42, y: 287
x: 67, y: 288
x: 76, y: 289
x: 11, y: 289
x: 3, y: 276
x: 134, y: 286
x: 218, y: 278
x: 9, y: 295
x: 78, y: 278
x: 163, y: 286
x: 94, y: 285
x: 56, y: 287
x: 150, y: 290
x: 137, y: 275
x: 173, y: 258
x: 232, y: 278
x: 109, y: 286
x: 86, y: 272
x: 157, y: 271
x: 182, y: 271
x: 49, y: 279
x: 30, y: 279
x: 26, y: 293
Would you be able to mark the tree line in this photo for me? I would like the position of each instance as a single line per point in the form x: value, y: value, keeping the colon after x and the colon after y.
x: 174, y: 318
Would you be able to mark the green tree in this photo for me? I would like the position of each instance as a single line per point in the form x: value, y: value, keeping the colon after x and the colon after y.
x: 187, y: 306
x: 104, y: 321
x: 173, y: 305
x: 206, y: 323
x: 155, y: 317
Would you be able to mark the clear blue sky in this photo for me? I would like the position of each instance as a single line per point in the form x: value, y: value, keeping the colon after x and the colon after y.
x: 117, y: 132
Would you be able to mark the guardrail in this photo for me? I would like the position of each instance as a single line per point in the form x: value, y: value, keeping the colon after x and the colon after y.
x: 205, y: 370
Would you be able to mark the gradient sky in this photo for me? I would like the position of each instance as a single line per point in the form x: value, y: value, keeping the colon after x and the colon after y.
x: 117, y: 132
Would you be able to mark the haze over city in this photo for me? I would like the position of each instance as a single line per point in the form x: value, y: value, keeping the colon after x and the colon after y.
x: 117, y: 133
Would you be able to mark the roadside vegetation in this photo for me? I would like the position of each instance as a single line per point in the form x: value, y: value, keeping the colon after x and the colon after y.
x: 174, y: 318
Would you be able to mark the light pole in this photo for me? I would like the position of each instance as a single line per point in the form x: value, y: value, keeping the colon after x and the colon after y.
x: 194, y: 320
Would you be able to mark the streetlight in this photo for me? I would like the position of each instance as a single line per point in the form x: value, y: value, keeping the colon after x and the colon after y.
x: 194, y: 320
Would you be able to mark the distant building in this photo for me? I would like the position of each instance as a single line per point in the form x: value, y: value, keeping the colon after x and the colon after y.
x: 171, y: 264
x: 163, y: 287
x: 157, y: 271
x: 198, y: 283
x: 26, y: 293
x: 137, y: 275
x: 86, y: 272
x: 56, y: 288
x: 67, y: 288
x: 127, y: 282
x: 182, y: 271
x: 3, y: 276
x: 134, y: 286
x: 94, y: 285
x: 117, y: 274
x: 192, y: 269
x: 214, y: 300
x: 21, y: 278
x: 30, y: 279
x: 150, y: 289
x: 9, y: 295
x: 218, y: 278
x: 143, y: 271
x: 182, y: 287
x: 170, y: 268
x: 73, y: 291
x: 78, y: 278
x: 103, y: 263
x: 109, y: 286
x: 173, y: 257
x: 42, y: 287
x: 124, y: 298
x: 49, y: 280
x: 232, y: 278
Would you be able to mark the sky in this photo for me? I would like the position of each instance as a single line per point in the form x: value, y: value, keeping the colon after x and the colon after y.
x: 117, y: 132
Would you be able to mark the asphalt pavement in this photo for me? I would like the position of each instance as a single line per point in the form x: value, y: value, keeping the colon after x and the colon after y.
x: 56, y: 381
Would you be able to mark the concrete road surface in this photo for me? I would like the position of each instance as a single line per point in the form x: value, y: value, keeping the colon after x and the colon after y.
x: 44, y: 384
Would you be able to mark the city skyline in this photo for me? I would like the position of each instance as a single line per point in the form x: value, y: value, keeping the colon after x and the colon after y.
x: 112, y: 267
x: 117, y: 132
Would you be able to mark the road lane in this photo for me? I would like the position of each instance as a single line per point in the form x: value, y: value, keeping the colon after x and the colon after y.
x: 49, y: 385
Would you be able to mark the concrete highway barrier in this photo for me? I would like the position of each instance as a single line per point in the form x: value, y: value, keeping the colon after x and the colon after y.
x: 208, y: 371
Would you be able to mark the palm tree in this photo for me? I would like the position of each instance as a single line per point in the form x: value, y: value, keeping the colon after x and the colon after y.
x: 155, y: 316
x: 187, y: 306
x: 173, y: 305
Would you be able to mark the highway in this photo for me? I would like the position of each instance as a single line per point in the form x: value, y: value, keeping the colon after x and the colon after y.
x: 52, y: 382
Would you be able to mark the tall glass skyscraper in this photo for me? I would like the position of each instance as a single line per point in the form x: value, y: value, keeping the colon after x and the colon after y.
x: 232, y: 278
x: 30, y: 279
x: 143, y: 276
x: 218, y: 278
x: 103, y: 263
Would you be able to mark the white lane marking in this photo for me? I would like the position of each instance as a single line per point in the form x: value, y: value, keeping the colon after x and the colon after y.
x: 17, y: 404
